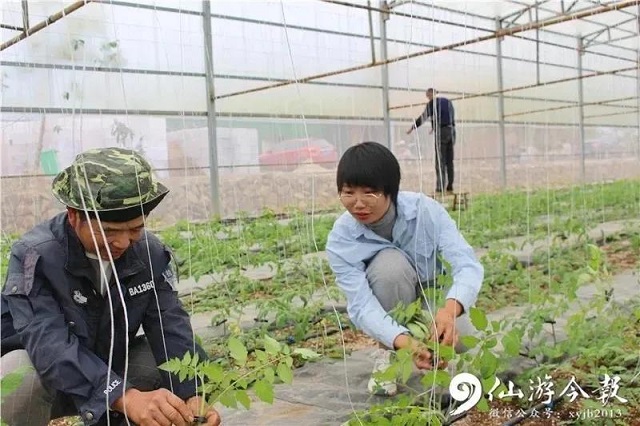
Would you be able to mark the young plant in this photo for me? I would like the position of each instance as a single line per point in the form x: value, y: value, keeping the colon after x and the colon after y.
x: 228, y: 381
x: 482, y: 359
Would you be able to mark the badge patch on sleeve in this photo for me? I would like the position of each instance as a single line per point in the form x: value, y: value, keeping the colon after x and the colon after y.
x: 79, y: 298
x: 170, y: 277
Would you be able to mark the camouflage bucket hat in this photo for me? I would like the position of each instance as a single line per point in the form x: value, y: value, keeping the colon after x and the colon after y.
x: 118, y: 180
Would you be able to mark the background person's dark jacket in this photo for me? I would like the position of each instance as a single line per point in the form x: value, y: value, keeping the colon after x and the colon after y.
x: 443, y: 116
x: 50, y: 308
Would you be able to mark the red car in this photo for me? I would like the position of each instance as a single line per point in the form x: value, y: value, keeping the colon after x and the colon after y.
x: 287, y: 155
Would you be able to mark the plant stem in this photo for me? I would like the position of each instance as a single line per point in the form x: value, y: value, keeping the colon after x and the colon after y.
x: 203, y: 400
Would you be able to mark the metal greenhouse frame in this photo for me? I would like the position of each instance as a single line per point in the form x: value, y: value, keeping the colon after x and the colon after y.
x: 529, y: 20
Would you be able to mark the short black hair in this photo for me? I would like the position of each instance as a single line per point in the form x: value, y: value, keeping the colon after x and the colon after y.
x: 431, y: 89
x: 371, y: 165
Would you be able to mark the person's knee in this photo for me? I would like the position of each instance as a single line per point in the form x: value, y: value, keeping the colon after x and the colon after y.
x: 392, y: 278
x: 143, y: 371
x: 18, y: 362
x: 29, y: 400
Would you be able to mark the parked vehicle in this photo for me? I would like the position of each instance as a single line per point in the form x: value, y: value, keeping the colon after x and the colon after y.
x: 289, y: 154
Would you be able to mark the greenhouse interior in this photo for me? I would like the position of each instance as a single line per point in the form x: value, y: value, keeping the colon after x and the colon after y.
x: 286, y: 147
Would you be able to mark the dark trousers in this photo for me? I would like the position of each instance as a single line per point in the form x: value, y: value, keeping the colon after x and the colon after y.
x: 445, y: 140
x: 32, y: 405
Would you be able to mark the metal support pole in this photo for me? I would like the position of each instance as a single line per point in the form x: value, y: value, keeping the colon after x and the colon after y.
x: 25, y: 15
x: 638, y: 93
x: 211, y: 109
x: 373, y: 46
x: 581, y: 112
x: 503, y: 143
x: 537, y: 47
x: 453, y: 46
x: 384, y: 16
x: 638, y: 79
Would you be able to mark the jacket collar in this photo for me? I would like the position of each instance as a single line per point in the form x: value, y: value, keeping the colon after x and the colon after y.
x: 77, y: 263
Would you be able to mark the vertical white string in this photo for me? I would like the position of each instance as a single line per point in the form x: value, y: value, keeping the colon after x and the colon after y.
x: 333, y: 307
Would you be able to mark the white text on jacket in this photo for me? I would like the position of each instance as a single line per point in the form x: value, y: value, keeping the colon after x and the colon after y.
x: 141, y: 288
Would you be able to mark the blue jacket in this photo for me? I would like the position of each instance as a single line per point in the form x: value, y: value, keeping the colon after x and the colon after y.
x: 443, y: 116
x: 422, y: 229
x: 50, y: 308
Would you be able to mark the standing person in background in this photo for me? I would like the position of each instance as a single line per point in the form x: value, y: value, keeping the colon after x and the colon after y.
x: 443, y: 122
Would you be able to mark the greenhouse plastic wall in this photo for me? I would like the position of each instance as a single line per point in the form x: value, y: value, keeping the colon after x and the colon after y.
x: 118, y: 73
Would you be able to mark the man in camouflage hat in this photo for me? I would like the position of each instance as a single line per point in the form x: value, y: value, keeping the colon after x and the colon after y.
x: 79, y: 287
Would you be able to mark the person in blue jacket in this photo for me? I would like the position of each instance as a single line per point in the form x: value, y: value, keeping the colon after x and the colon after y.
x: 385, y: 249
x: 441, y: 112
x: 72, y: 316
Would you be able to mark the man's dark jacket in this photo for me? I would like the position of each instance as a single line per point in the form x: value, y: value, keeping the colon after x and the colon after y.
x: 50, y: 308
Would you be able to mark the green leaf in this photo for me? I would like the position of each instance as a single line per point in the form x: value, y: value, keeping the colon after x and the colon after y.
x: 416, y: 331
x: 446, y: 352
x: 469, y: 341
x: 214, y: 372
x: 228, y: 399
x: 491, y: 343
x: 264, y: 391
x: 237, y: 350
x: 483, y: 405
x: 511, y: 343
x: 437, y: 377
x: 172, y: 366
x: 407, y: 369
x: 285, y: 374
x: 478, y: 319
x: 488, y: 364
x: 271, y: 345
x: 411, y: 310
x: 490, y: 382
x: 243, y: 398
x: 261, y: 356
x: 390, y: 374
x: 306, y: 353
x: 584, y: 278
x: 269, y: 374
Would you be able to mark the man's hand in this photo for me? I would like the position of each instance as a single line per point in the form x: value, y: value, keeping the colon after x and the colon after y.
x: 195, y: 404
x: 156, y: 408
x: 410, y: 130
x: 444, y: 327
